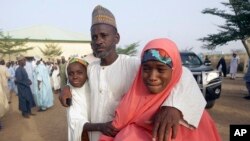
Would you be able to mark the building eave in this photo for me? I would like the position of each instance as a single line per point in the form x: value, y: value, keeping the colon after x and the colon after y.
x: 49, y: 40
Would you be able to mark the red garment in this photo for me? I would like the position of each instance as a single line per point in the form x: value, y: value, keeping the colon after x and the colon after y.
x: 139, y: 106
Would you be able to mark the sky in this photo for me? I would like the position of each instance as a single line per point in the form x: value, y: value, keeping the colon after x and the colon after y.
x: 137, y: 20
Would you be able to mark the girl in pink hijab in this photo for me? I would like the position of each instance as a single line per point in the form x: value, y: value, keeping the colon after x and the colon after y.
x: 160, y: 70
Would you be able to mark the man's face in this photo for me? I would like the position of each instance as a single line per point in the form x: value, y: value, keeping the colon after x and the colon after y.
x: 8, y: 64
x: 104, y: 40
x: 63, y: 60
x: 22, y: 62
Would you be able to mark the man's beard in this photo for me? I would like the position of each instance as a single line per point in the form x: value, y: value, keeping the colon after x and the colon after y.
x: 104, y: 54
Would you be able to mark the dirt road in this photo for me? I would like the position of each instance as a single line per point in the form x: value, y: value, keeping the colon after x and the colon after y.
x: 44, y: 126
x: 231, y: 107
x: 50, y: 125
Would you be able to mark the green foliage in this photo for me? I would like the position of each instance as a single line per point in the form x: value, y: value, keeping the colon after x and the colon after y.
x: 9, y: 46
x: 188, y: 49
x: 237, y: 26
x: 51, y: 50
x: 130, y: 49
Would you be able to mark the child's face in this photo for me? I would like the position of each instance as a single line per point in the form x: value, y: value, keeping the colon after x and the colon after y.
x: 77, y: 74
x: 156, y: 76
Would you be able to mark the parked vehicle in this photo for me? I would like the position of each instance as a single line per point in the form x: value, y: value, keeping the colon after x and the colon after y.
x: 207, y: 78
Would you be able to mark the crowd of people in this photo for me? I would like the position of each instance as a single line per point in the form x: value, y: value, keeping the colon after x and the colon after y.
x: 112, y: 96
x: 33, y: 80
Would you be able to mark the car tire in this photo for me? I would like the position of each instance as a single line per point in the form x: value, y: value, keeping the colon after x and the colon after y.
x: 210, y: 104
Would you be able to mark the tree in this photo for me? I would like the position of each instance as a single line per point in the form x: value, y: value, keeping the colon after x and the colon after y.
x: 129, y: 49
x: 237, y: 26
x: 188, y: 49
x: 9, y: 46
x: 52, y: 50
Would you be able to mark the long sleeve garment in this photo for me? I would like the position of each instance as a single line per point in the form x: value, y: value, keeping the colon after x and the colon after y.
x: 26, y: 101
x: 30, y: 70
x: 45, y: 95
x: 11, y: 80
x: 4, y: 105
x: 234, y: 65
x: 78, y: 112
x: 4, y: 75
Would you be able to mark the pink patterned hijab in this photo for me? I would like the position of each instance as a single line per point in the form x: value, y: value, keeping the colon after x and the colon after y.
x: 138, y: 106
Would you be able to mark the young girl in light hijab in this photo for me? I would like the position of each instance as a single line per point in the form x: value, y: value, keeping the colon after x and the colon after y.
x: 78, y: 112
x: 160, y: 71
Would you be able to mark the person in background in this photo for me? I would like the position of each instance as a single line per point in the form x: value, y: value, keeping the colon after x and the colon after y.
x: 56, y: 80
x: 45, y: 97
x: 4, y: 75
x: 30, y: 68
x: 15, y: 65
x: 222, y: 66
x: 111, y: 77
x: 4, y: 105
x: 62, y: 67
x: 234, y: 65
x: 207, y: 61
x: 11, y: 80
x: 25, y: 97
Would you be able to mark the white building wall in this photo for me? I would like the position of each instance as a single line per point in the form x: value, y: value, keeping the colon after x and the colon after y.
x: 68, y: 49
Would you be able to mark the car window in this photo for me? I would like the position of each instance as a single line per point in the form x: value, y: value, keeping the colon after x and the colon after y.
x: 190, y: 59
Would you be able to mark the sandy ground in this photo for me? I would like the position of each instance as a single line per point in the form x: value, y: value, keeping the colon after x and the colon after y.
x: 50, y: 125
x: 231, y: 108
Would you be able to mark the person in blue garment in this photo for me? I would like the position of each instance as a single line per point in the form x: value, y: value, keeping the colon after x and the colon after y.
x: 43, y: 87
x: 25, y: 97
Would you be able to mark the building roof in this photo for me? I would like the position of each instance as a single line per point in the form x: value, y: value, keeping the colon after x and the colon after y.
x: 47, y: 33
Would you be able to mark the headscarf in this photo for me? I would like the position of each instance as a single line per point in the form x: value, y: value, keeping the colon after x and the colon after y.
x: 138, y: 106
x: 157, y: 55
x: 73, y: 60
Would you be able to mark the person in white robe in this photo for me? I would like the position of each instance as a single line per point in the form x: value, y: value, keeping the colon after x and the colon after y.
x: 15, y: 66
x: 234, y: 65
x: 43, y: 87
x: 78, y: 113
x: 11, y: 80
x: 4, y: 76
x: 4, y: 105
x: 29, y: 67
x: 56, y: 81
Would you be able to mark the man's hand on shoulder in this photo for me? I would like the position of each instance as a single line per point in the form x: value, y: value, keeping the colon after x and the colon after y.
x: 108, y: 129
x: 166, y: 123
x: 65, y: 93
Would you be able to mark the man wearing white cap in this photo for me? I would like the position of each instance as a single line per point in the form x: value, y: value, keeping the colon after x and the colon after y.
x: 25, y: 97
